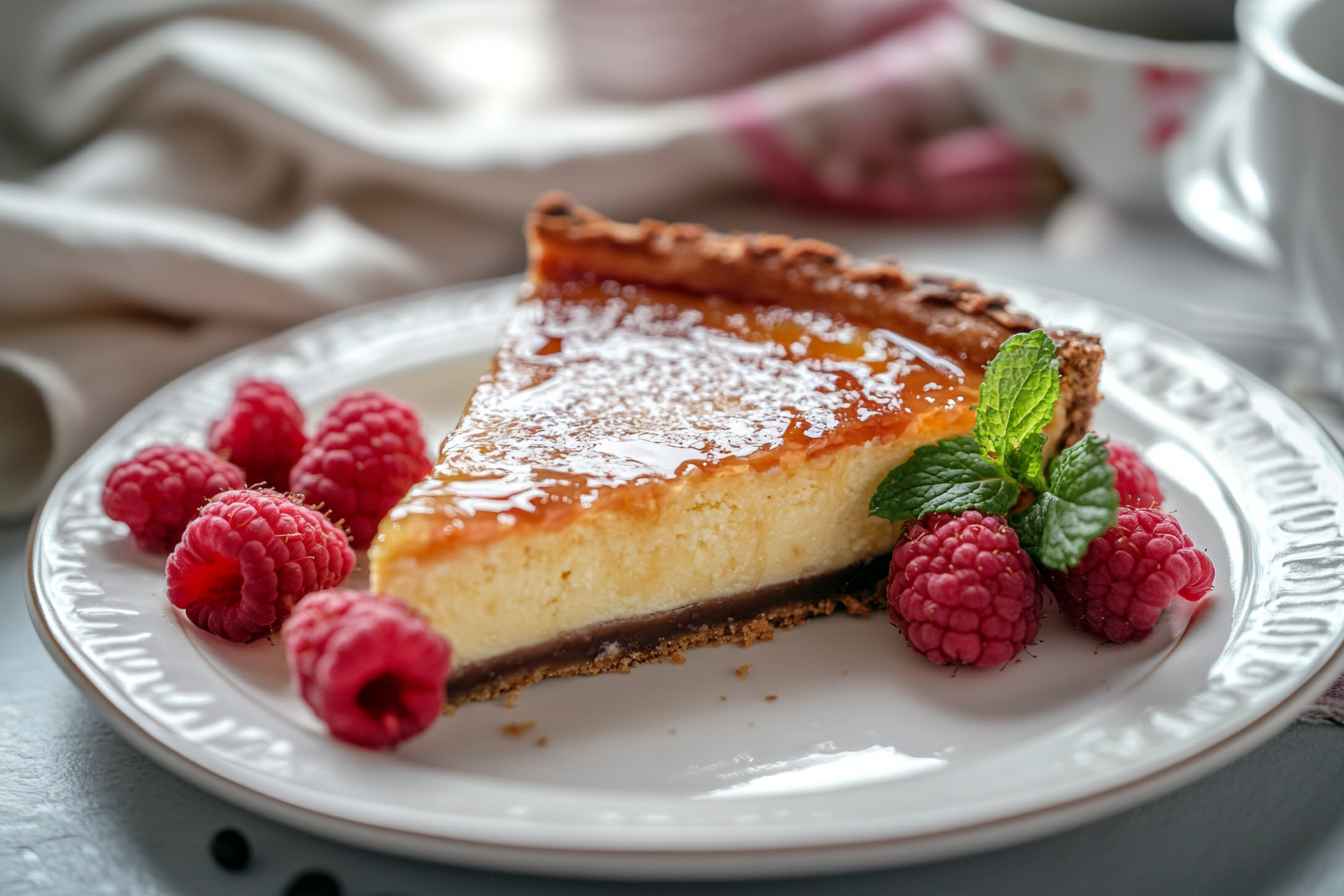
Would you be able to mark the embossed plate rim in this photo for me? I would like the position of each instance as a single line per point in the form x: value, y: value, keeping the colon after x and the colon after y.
x: 478, y: 840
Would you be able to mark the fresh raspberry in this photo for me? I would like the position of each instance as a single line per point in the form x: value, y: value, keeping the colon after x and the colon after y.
x: 158, y: 491
x: 1134, y: 482
x: 369, y: 667
x: 262, y: 432
x: 1131, y: 573
x: 367, y: 453
x: 963, y: 590
x: 249, y: 555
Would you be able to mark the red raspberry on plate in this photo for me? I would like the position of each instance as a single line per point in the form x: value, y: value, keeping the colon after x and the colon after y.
x: 159, y: 491
x: 1134, y: 482
x: 366, y: 454
x: 262, y: 432
x: 1131, y: 573
x: 963, y: 590
x: 248, y: 557
x: 367, y: 665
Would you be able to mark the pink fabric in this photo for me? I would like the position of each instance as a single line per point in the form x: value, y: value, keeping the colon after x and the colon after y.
x: 646, y: 50
x: 882, y: 152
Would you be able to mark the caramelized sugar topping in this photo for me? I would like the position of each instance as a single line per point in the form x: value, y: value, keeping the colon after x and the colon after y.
x: 602, y: 386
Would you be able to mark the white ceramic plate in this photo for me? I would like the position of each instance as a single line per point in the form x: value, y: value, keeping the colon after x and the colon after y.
x: 868, y: 756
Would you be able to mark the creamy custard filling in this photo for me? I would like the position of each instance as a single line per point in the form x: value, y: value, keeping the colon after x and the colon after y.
x: 729, y: 533
x: 729, y: 447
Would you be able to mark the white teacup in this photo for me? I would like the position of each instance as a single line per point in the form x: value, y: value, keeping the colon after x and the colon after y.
x: 1260, y: 172
x: 1103, y: 85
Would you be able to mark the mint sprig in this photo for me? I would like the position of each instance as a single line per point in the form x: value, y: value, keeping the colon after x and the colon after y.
x: 1018, y: 394
x: 988, y: 470
x: 948, y: 477
x: 1026, y: 463
x: 1078, y: 504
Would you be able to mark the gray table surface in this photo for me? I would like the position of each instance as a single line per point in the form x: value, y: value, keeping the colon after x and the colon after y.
x: 82, y: 812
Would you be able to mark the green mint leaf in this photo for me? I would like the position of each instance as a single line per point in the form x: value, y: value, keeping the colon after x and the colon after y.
x: 1018, y: 394
x: 1078, y: 504
x: 947, y: 477
x: 1030, y: 525
x: 1026, y: 462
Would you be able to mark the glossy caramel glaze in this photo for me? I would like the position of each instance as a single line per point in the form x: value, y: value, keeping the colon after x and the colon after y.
x: 601, y: 388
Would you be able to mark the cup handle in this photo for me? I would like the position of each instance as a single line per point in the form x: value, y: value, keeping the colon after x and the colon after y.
x: 1202, y: 190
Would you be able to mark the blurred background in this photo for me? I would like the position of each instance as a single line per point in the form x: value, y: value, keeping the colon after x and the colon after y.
x: 182, y: 176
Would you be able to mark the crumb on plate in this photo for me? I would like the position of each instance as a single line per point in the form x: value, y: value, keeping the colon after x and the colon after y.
x: 855, y: 607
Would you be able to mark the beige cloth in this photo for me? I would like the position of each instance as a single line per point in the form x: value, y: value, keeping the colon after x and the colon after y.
x: 228, y: 168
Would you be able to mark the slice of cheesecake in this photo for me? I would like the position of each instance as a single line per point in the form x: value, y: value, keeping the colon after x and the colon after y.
x: 677, y: 442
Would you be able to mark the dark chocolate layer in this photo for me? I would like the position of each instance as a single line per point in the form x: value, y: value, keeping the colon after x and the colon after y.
x: 643, y: 632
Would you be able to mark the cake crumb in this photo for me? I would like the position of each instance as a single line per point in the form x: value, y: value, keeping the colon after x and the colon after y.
x: 854, y: 606
x: 543, y: 741
x: 723, y: 698
x: 677, y: 659
x: 743, y: 670
x: 771, y: 698
x: 509, y: 699
x: 516, y: 729
x: 753, y: 631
